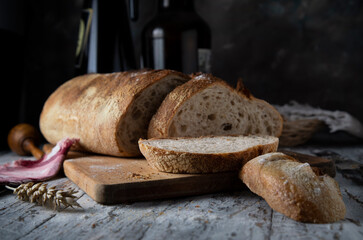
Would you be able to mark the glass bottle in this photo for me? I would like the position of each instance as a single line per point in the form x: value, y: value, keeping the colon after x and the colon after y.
x: 177, y: 38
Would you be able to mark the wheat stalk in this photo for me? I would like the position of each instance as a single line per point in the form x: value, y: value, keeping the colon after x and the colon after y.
x: 40, y: 194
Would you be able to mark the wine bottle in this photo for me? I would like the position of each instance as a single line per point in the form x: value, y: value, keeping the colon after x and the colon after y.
x: 177, y: 38
x: 110, y: 48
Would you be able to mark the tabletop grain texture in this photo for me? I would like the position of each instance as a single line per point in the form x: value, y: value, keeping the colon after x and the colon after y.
x: 228, y: 215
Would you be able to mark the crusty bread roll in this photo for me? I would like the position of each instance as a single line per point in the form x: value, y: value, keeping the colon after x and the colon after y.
x: 294, y: 189
x: 205, y: 154
x: 207, y: 105
x: 107, y: 112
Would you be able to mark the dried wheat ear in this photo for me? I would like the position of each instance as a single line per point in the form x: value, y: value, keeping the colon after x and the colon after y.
x: 40, y: 194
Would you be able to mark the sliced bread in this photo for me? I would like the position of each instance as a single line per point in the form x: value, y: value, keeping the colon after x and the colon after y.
x: 207, y: 105
x: 205, y: 154
x: 107, y: 112
x: 294, y: 189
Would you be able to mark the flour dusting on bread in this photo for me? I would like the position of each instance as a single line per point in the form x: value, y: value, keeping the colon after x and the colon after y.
x: 294, y: 189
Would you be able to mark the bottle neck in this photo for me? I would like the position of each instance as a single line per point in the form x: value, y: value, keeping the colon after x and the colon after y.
x: 175, y: 5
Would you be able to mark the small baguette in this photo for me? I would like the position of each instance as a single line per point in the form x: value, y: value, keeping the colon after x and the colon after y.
x: 205, y: 154
x: 294, y: 189
x: 107, y: 112
x: 207, y: 105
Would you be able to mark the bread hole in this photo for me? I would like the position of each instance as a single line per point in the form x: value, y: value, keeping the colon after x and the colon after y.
x: 180, y: 112
x: 183, y: 128
x: 212, y: 116
x: 146, y: 104
x: 220, y: 93
x: 153, y: 93
x: 269, y: 130
x: 249, y: 129
x: 232, y: 102
x: 136, y: 114
x: 205, y: 97
x: 198, y: 114
x: 257, y: 131
x: 226, y: 126
x: 241, y: 114
x: 191, y: 107
x: 218, y: 97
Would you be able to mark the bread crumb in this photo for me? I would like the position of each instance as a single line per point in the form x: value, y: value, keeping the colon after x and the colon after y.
x: 133, y: 176
x: 286, y: 182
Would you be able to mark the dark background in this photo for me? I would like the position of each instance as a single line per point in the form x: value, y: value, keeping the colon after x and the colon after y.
x: 308, y: 51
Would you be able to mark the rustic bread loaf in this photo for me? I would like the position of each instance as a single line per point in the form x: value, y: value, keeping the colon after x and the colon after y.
x: 294, y: 189
x: 205, y: 154
x: 207, y: 105
x: 107, y: 112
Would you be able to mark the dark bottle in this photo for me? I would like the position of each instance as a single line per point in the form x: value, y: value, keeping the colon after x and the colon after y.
x: 110, y: 47
x: 177, y: 38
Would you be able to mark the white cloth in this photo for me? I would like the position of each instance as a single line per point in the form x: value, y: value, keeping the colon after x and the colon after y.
x: 335, y: 120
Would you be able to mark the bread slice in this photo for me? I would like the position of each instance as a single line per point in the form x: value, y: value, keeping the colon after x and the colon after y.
x: 207, y: 105
x: 294, y: 189
x: 205, y: 154
x: 107, y: 112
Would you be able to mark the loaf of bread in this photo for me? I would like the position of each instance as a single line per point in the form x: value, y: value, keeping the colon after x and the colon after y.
x: 107, y: 112
x: 205, y: 154
x: 294, y: 189
x: 207, y: 105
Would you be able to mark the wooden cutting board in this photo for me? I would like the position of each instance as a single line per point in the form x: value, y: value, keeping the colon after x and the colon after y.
x: 110, y: 180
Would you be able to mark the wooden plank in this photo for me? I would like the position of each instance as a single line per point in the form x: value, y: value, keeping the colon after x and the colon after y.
x: 110, y: 180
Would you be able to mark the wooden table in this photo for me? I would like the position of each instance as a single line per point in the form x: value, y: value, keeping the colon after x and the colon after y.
x: 229, y: 215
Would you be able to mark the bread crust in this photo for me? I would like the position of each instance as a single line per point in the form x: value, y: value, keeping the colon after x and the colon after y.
x: 91, y: 107
x: 186, y: 162
x: 160, y: 123
x: 294, y: 189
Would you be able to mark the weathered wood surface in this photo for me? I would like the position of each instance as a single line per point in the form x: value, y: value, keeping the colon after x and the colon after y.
x: 229, y: 215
